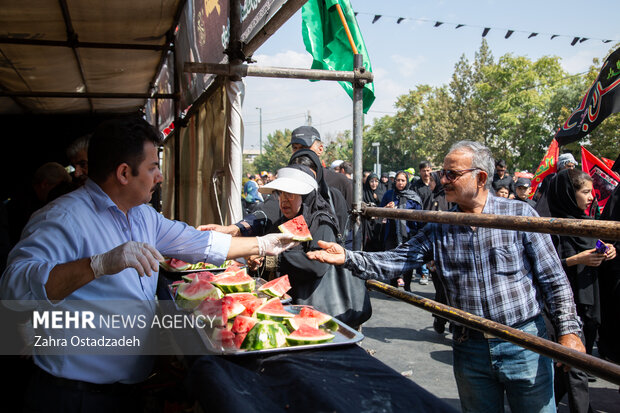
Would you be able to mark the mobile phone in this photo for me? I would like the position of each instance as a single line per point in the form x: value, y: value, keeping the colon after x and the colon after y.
x: 601, y: 248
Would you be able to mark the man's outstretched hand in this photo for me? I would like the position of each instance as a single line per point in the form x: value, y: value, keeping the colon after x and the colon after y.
x: 331, y: 253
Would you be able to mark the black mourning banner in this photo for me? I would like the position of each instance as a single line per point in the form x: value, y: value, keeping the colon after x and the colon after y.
x: 601, y: 100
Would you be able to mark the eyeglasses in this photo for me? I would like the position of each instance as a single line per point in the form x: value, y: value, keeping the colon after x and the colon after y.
x: 453, y: 175
x: 285, y: 195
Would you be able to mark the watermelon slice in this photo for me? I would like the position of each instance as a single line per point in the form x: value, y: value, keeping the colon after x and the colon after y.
x: 224, y: 338
x: 237, y: 283
x: 218, y: 312
x: 175, y: 285
x: 272, y: 310
x: 323, y: 320
x: 265, y: 334
x: 203, y: 275
x: 298, y: 227
x: 239, y: 337
x: 308, y: 335
x: 277, y: 287
x: 243, y: 324
x: 294, y: 323
x: 189, y: 295
x: 172, y: 264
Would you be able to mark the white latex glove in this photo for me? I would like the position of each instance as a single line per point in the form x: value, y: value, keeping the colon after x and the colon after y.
x: 274, y: 244
x: 139, y: 255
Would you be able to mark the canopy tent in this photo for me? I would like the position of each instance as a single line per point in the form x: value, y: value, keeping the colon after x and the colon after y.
x: 93, y: 59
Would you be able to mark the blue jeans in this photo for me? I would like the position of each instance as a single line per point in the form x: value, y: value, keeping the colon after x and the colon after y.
x: 486, y: 368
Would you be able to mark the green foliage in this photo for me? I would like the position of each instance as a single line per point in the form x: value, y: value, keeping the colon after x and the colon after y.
x: 513, y: 105
x: 340, y: 147
x: 275, y: 152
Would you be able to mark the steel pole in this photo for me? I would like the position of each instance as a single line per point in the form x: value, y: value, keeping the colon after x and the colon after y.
x: 358, y: 125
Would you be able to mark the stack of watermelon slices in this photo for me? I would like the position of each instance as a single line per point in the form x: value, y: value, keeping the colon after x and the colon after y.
x: 236, y: 318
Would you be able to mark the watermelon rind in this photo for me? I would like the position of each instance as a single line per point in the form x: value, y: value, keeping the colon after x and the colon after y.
x: 296, y: 235
x: 293, y: 323
x: 191, y: 301
x: 264, y: 335
x: 308, y: 335
x: 229, y: 285
x: 268, y: 312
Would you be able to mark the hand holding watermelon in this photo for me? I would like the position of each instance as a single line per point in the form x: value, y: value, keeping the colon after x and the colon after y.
x: 332, y: 253
x: 275, y: 244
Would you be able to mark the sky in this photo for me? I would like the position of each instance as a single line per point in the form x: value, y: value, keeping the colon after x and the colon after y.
x: 415, y: 52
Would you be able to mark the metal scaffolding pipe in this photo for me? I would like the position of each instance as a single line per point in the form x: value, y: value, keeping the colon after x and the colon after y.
x: 606, y: 230
x: 243, y: 70
x: 358, y: 125
x: 598, y: 367
x: 93, y: 95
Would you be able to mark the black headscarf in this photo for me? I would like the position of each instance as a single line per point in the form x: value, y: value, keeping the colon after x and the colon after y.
x: 369, y: 193
x: 323, y: 188
x: 562, y: 203
x: 315, y: 208
x: 403, y: 196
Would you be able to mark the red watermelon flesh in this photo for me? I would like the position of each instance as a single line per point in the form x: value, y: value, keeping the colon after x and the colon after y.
x: 277, y: 287
x: 312, y: 313
x: 251, y: 304
x: 298, y: 321
x: 298, y: 228
x: 220, y: 311
x: 178, y: 264
x: 239, y: 337
x: 308, y: 335
x: 243, y: 324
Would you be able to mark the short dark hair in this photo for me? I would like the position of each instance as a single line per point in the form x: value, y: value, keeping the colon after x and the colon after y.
x: 501, y: 163
x: 346, y: 167
x: 424, y: 164
x: 118, y: 141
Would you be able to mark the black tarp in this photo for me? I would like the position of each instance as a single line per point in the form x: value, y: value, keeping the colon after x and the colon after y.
x: 345, y: 379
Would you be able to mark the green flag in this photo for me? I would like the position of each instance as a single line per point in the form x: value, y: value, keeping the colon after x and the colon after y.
x: 326, y: 40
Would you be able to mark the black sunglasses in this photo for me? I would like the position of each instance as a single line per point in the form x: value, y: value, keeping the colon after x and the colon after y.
x: 453, y: 175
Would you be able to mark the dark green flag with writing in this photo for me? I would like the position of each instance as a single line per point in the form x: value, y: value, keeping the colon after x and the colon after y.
x: 326, y: 40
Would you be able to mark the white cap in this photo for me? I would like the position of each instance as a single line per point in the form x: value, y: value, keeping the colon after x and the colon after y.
x: 291, y: 180
x: 336, y: 163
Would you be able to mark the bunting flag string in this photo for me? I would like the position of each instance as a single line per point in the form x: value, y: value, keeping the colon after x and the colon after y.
x: 486, y: 29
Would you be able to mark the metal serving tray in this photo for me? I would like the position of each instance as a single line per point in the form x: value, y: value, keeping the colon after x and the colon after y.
x: 344, y: 336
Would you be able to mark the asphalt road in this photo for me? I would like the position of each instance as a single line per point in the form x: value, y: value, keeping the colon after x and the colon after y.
x: 402, y: 336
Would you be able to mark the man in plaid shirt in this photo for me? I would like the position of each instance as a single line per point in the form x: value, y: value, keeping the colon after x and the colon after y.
x: 504, y: 276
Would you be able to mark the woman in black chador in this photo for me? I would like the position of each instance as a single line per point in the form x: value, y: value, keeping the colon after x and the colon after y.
x: 569, y: 195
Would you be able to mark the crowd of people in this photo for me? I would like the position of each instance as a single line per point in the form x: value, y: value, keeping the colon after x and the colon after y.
x: 542, y: 285
x: 389, y: 256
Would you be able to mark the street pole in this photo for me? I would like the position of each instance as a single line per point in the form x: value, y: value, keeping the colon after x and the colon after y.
x: 260, y: 114
x: 377, y: 167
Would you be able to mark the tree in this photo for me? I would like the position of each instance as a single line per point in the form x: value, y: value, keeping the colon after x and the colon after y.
x: 340, y: 147
x: 275, y: 152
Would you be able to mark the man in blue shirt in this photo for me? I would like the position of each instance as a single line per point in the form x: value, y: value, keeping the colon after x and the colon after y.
x: 504, y: 276
x: 100, y: 243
